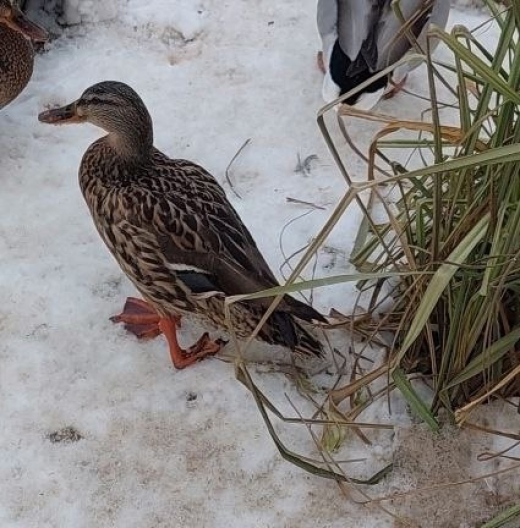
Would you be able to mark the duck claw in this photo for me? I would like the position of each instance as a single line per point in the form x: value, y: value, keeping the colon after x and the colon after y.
x: 205, y: 347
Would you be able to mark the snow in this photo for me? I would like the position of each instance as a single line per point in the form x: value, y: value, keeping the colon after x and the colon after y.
x: 161, y: 447
x: 78, y: 11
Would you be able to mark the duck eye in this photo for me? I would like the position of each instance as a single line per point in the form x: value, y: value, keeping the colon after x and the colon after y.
x: 92, y: 100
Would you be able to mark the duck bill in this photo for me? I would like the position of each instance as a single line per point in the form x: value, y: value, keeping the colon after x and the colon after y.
x: 19, y: 22
x: 60, y: 116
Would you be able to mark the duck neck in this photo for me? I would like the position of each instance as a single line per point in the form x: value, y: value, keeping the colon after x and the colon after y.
x: 130, y: 134
x: 132, y: 145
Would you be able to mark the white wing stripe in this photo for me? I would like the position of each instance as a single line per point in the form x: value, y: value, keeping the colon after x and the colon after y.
x: 186, y: 267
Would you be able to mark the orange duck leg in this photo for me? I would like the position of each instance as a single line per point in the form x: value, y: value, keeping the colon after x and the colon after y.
x: 396, y: 88
x: 141, y: 319
x: 320, y: 62
x: 184, y: 358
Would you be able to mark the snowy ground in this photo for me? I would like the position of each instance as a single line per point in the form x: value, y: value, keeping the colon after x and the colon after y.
x: 161, y: 448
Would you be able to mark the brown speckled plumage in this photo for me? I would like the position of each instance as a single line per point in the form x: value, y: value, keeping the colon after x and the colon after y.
x: 16, y: 64
x: 158, y: 215
x: 16, y: 50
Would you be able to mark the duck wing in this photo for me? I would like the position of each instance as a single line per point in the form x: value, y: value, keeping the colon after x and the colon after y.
x: 327, y: 19
x: 392, y: 42
x: 200, y: 236
x: 371, y: 35
x: 358, y: 22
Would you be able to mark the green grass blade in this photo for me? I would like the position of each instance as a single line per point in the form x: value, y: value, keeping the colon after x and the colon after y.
x: 318, y: 283
x: 480, y: 67
x: 486, y: 358
x: 505, y: 519
x: 506, y: 154
x: 439, y: 282
x: 417, y: 405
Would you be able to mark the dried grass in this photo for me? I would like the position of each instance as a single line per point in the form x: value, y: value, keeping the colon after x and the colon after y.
x: 447, y: 255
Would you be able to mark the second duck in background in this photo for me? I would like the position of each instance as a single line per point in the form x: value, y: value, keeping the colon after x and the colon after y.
x: 16, y: 50
x: 362, y: 37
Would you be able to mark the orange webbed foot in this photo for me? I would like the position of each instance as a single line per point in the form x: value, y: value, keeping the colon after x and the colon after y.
x: 181, y: 359
x: 140, y: 319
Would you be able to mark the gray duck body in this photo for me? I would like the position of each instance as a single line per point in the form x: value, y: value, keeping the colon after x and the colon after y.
x: 362, y: 37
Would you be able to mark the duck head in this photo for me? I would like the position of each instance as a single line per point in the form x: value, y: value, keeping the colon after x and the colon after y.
x: 12, y: 16
x: 114, y: 107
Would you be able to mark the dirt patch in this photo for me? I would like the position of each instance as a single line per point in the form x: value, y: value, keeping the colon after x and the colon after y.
x: 65, y: 435
x: 428, y: 460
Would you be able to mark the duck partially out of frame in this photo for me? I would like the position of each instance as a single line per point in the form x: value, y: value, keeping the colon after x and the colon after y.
x: 362, y: 37
x: 16, y: 50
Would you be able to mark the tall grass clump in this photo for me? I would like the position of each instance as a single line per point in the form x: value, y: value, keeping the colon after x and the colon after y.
x: 438, y: 250
x: 454, y: 218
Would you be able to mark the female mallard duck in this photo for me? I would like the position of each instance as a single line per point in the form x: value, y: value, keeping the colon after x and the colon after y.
x: 172, y: 230
x: 16, y: 50
x: 362, y: 37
